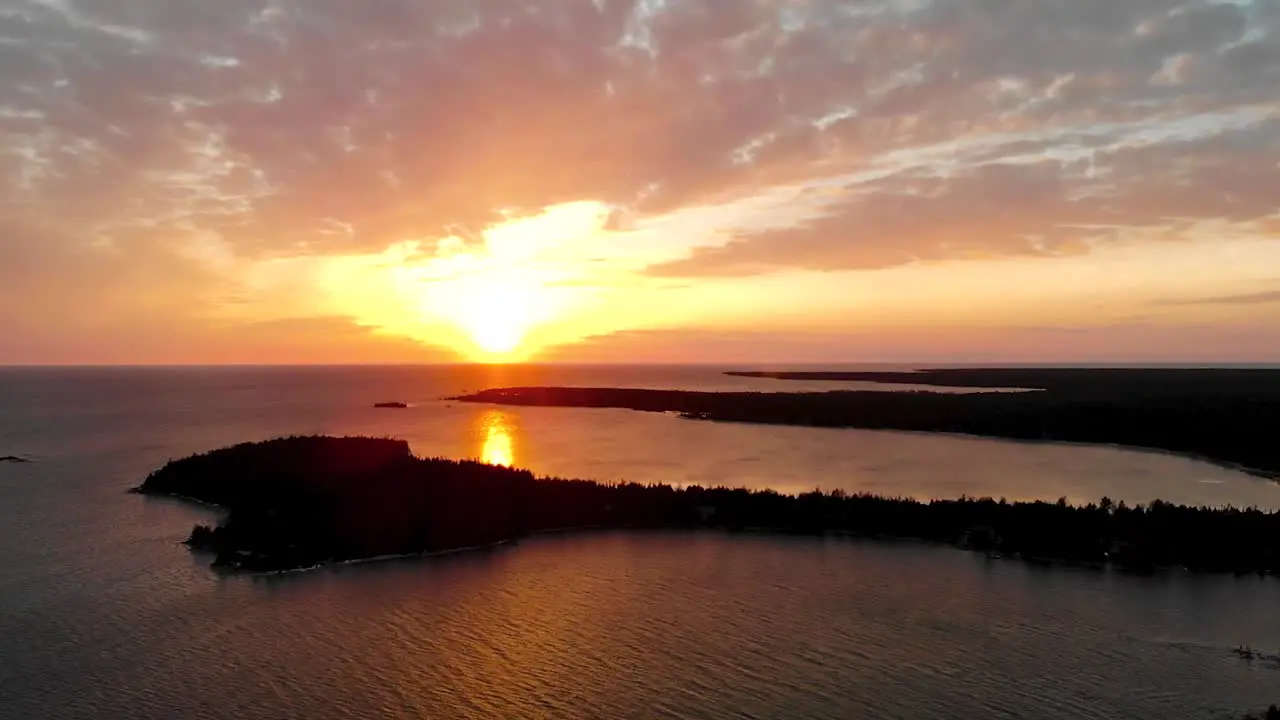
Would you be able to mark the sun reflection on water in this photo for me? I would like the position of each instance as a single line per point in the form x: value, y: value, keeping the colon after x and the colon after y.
x: 499, y: 438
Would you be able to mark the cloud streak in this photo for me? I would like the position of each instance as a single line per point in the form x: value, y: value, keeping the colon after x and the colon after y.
x: 1258, y: 298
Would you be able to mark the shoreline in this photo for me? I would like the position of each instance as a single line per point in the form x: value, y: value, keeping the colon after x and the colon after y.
x: 1227, y: 431
x: 353, y: 562
x: 755, y: 531
x: 138, y: 490
x: 1270, y: 476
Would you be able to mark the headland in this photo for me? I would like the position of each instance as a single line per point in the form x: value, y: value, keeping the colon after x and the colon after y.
x: 299, y: 502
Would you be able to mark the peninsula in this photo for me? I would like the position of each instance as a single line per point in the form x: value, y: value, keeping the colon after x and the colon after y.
x: 1095, y: 382
x: 1223, y: 416
x: 299, y: 502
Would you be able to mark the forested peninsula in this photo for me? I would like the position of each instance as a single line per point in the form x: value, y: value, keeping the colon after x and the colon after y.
x: 298, y: 502
x: 1229, y: 417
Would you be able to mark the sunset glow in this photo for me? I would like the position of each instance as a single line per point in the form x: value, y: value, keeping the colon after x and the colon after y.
x: 495, y: 311
x: 635, y: 182
x: 494, y: 293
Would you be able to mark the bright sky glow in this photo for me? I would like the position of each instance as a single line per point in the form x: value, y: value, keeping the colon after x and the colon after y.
x: 830, y: 180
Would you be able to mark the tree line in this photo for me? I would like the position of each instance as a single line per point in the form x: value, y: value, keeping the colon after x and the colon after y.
x: 297, y: 502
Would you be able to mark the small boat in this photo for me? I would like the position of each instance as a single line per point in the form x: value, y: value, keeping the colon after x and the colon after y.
x: 391, y: 405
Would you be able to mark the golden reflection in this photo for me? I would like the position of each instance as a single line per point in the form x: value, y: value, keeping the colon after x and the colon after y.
x: 499, y: 438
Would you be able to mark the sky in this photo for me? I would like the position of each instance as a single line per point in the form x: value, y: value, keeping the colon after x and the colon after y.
x: 806, y: 181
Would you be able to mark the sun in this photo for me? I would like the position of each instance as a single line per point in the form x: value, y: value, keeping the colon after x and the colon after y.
x: 494, y: 314
x: 495, y: 309
x: 497, y: 337
x: 521, y: 287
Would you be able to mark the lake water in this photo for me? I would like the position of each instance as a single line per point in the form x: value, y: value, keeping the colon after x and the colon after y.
x: 103, y: 615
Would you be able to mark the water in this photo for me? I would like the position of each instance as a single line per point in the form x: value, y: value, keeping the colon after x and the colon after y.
x: 102, y: 615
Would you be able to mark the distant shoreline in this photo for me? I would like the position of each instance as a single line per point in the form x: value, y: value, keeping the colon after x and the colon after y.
x: 972, y: 377
x: 1226, y: 465
x: 1222, y: 417
x: 1110, y: 380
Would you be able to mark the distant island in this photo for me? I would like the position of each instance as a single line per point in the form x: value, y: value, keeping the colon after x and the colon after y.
x: 1222, y: 416
x: 1097, y: 382
x: 298, y: 502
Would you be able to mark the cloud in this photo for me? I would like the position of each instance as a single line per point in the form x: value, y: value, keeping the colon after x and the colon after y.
x: 994, y: 210
x: 275, y: 122
x: 54, y: 282
x: 1023, y: 203
x: 327, y: 339
x: 1257, y: 298
x: 249, y: 129
x: 138, y: 299
x: 938, y: 346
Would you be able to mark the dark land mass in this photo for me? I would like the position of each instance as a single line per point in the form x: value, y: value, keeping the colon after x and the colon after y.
x: 1080, y: 382
x: 13, y: 459
x: 298, y: 502
x: 1225, y: 416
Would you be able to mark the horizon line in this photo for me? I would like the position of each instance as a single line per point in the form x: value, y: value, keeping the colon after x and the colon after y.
x: 754, y: 365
